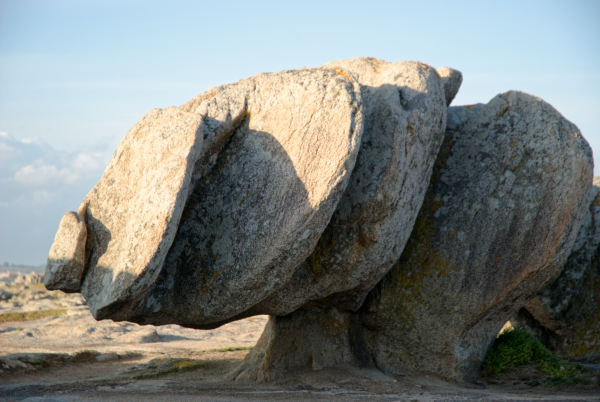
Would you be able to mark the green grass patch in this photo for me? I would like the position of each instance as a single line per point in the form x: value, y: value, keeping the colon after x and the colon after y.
x: 517, y: 347
x: 30, y: 315
x: 232, y: 348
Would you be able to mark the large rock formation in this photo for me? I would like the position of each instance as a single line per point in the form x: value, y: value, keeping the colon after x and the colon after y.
x: 501, y: 213
x: 566, y: 314
x: 254, y: 198
x: 405, y: 118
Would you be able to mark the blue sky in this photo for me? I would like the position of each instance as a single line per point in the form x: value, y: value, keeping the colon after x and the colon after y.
x: 76, y: 75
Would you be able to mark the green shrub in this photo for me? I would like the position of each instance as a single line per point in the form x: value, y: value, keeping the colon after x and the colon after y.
x: 517, y: 347
x: 30, y: 315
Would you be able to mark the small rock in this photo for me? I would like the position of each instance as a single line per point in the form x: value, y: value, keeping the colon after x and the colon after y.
x: 450, y: 82
x: 10, y: 363
x: 66, y: 259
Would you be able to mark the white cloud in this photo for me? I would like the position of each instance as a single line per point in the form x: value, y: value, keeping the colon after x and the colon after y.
x: 33, y: 173
x: 38, y: 184
x: 41, y: 175
x: 85, y: 162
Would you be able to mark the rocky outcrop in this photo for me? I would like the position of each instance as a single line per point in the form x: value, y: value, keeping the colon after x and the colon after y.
x: 261, y: 202
x: 295, y: 193
x: 566, y: 314
x: 405, y: 118
x: 495, y: 227
x: 508, y: 194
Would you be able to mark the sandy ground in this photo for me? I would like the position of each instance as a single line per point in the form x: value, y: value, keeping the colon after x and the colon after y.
x: 72, y: 357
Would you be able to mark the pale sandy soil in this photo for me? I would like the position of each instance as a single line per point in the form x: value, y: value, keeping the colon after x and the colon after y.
x: 42, y: 360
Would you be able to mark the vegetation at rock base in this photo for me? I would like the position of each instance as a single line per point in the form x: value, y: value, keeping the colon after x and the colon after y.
x: 515, y: 348
x: 232, y: 348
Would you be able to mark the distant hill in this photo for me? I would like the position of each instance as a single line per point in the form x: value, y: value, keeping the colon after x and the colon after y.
x: 26, y: 269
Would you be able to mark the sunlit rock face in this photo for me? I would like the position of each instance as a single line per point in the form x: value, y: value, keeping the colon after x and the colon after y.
x: 566, y: 314
x: 509, y: 191
x: 260, y: 211
x: 133, y: 213
x: 207, y: 209
x: 405, y: 118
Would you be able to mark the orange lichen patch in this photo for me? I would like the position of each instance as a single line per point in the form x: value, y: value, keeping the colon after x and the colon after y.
x: 323, y: 252
x: 425, y: 67
x: 506, y: 95
x: 421, y: 261
x: 376, y: 65
x: 336, y: 68
x: 503, y: 112
x: 409, y: 128
x: 343, y: 74
x: 469, y: 106
x: 514, y: 144
x: 373, y: 61
x: 517, y: 168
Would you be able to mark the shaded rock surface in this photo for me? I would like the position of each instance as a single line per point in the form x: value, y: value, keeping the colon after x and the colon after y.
x: 258, y: 213
x: 566, y: 314
x: 303, y: 339
x: 508, y: 194
x: 405, y: 118
x: 500, y: 216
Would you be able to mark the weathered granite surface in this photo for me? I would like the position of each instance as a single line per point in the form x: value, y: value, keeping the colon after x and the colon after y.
x: 254, y: 217
x: 509, y: 191
x: 134, y: 211
x: 566, y: 314
x: 405, y: 118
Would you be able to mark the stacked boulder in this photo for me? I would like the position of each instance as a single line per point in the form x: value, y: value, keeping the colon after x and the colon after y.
x: 377, y: 226
x: 506, y: 199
